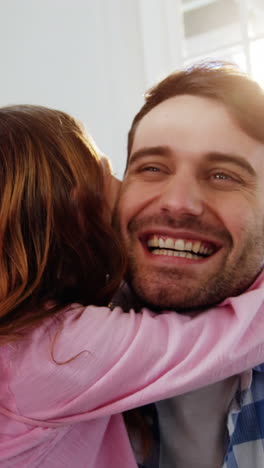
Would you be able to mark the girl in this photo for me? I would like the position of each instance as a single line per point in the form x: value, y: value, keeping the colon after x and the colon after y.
x: 68, y: 369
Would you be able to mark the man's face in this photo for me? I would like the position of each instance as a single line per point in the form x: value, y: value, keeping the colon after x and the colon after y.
x: 191, y: 210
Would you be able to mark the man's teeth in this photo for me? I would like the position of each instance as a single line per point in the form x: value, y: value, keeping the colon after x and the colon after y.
x: 175, y: 253
x: 178, y: 247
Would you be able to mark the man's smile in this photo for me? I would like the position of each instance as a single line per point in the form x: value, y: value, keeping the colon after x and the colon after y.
x: 178, y: 246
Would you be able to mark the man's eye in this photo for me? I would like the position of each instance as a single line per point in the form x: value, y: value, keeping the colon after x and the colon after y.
x: 222, y: 176
x: 225, y: 180
x: 150, y: 169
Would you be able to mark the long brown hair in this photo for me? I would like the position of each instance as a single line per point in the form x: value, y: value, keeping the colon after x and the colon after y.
x: 56, y: 245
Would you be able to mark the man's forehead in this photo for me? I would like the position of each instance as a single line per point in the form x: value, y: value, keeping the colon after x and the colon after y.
x: 194, y: 124
x: 181, y: 104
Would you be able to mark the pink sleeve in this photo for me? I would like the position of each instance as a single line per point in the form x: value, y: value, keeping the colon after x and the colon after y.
x: 127, y: 360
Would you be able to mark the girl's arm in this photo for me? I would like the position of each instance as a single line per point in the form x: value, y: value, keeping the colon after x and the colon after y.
x: 117, y: 361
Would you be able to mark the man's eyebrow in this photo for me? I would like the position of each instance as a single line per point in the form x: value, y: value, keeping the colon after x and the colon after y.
x: 232, y: 158
x: 148, y: 151
x: 211, y: 157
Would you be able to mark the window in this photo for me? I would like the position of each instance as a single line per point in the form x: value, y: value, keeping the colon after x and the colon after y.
x: 225, y: 29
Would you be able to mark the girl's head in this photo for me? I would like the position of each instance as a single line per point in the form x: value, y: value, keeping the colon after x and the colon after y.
x: 56, y: 241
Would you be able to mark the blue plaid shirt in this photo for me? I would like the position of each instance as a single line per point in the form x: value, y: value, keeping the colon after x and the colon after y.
x: 245, y: 425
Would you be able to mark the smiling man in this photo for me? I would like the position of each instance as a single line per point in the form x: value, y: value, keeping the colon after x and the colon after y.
x: 191, y: 215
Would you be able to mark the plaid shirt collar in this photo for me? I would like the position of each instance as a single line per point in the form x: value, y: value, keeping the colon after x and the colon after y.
x: 245, y: 425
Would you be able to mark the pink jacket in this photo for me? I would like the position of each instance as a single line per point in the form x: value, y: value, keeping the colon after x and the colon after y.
x: 58, y: 414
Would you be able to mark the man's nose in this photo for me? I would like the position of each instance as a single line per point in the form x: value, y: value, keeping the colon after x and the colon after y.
x: 182, y: 194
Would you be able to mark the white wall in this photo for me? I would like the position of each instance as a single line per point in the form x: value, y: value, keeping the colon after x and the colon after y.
x: 91, y: 58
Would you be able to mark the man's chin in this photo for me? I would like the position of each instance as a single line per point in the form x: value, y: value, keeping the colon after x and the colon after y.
x: 158, y: 300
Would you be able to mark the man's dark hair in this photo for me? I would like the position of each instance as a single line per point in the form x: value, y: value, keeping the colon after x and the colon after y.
x: 221, y: 81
